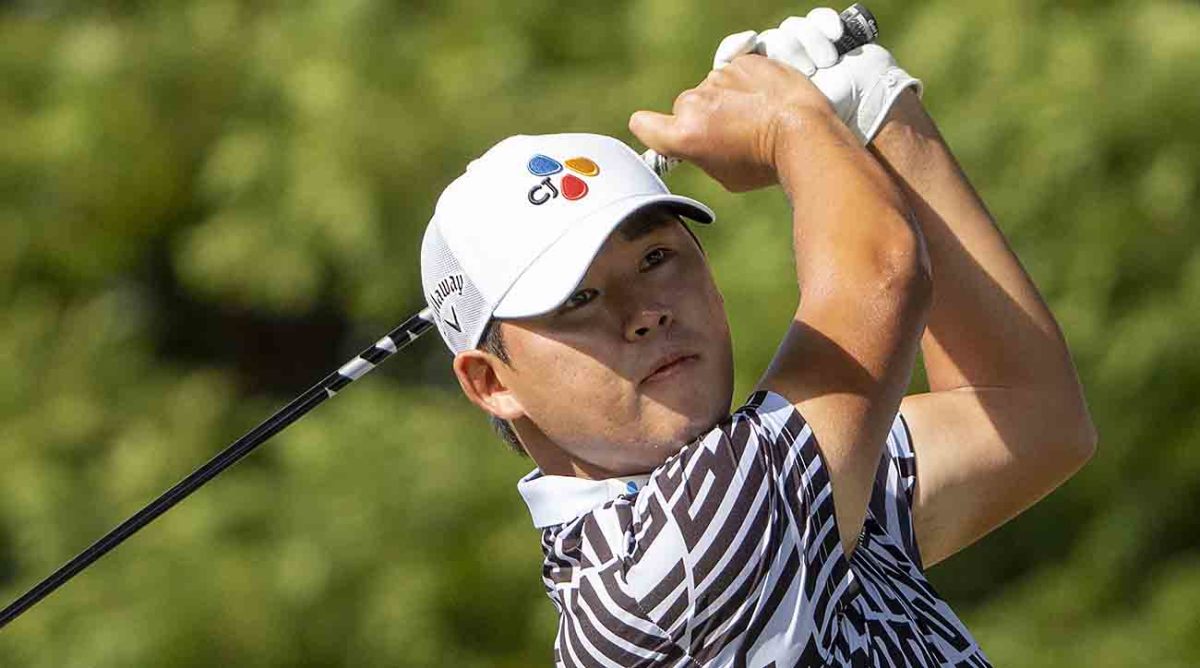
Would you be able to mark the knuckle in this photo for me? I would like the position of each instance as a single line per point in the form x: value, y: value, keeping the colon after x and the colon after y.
x: 689, y: 97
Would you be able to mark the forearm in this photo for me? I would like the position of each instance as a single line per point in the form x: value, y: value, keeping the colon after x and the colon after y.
x: 987, y: 326
x: 851, y: 224
x: 864, y: 288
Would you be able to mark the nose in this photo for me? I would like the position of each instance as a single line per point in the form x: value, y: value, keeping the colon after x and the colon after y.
x: 646, y: 322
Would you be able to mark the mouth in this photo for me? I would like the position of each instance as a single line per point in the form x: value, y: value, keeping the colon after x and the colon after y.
x: 671, y: 366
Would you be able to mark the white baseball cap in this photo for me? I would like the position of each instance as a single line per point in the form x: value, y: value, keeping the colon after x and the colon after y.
x: 514, y: 235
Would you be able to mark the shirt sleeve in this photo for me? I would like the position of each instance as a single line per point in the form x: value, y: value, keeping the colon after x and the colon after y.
x: 895, y: 482
x: 739, y: 523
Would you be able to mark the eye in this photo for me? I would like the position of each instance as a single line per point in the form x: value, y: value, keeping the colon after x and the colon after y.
x: 657, y: 256
x: 580, y: 298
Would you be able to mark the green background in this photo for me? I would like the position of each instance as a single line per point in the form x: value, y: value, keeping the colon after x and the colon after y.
x: 207, y: 205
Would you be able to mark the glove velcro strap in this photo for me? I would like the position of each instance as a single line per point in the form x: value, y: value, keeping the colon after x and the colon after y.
x: 876, y: 102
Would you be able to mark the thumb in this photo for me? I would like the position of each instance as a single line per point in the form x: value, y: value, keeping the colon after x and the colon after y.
x: 655, y: 130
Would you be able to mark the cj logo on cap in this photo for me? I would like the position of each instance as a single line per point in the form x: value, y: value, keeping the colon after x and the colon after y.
x: 571, y: 187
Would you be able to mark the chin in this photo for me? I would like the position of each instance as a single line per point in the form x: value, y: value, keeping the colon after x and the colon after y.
x: 696, y: 428
x: 701, y: 414
x: 693, y: 402
x: 671, y: 433
x: 687, y: 428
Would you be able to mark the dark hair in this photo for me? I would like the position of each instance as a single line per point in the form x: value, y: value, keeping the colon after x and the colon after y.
x: 493, y: 342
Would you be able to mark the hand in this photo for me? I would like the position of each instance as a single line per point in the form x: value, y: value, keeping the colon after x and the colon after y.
x: 862, y: 85
x: 735, y: 122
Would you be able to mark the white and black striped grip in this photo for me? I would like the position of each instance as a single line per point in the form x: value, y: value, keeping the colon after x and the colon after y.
x: 385, y: 347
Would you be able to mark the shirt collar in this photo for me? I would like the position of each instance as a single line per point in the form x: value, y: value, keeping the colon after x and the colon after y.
x: 555, y: 499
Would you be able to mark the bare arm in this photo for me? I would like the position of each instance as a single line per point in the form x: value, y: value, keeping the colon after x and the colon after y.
x: 863, y: 282
x: 861, y: 267
x: 1005, y: 421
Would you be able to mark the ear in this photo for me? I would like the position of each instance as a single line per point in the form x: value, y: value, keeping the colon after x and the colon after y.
x: 476, y: 371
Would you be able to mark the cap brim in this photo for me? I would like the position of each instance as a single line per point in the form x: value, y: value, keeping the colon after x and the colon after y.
x: 552, y: 277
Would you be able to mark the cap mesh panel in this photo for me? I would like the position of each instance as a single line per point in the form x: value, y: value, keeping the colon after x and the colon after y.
x: 451, y: 294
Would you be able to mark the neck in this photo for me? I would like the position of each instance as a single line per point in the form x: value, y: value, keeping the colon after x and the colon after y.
x: 553, y: 460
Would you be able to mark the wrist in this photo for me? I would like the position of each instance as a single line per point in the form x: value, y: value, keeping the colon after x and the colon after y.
x: 907, y: 133
x: 878, y: 99
x: 801, y: 134
x: 906, y: 119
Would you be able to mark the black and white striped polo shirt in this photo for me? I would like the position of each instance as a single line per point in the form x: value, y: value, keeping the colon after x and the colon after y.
x: 728, y: 555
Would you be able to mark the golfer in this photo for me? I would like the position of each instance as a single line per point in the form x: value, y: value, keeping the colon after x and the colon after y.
x: 584, y: 319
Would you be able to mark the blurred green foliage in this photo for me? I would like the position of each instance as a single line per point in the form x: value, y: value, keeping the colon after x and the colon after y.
x: 205, y: 205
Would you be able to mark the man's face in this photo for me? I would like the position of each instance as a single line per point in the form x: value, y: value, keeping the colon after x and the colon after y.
x: 596, y: 377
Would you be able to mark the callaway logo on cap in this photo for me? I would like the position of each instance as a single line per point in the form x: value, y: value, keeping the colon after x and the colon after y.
x: 494, y: 248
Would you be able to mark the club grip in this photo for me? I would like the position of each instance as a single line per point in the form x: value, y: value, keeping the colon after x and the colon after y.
x: 859, y: 27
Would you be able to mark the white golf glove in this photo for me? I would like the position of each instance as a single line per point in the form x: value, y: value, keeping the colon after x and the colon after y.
x: 862, y: 85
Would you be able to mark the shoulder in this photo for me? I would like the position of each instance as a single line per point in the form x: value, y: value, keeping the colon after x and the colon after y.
x: 772, y: 412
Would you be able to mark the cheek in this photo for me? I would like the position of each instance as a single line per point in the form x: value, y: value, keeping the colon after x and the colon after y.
x: 702, y: 304
x: 714, y: 322
x: 566, y: 390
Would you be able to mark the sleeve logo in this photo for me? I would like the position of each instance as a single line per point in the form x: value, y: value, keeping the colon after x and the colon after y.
x: 571, y: 187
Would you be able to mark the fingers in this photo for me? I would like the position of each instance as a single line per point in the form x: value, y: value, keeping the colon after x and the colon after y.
x: 815, y: 43
x: 828, y: 22
x: 737, y: 44
x: 779, y: 45
x: 655, y: 130
x: 804, y: 42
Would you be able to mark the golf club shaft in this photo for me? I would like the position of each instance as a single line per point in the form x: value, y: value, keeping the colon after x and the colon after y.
x: 395, y: 340
x: 859, y: 27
